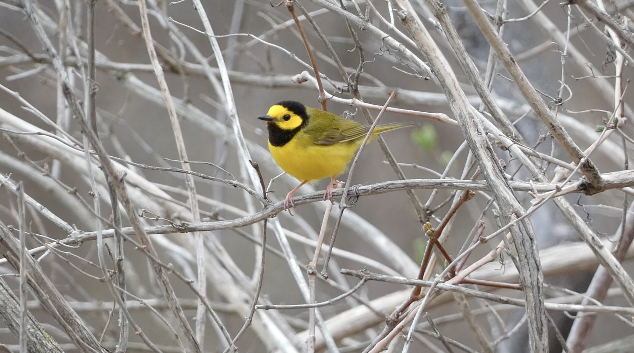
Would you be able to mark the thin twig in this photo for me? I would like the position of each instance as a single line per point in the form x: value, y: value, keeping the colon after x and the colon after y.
x: 23, y: 272
x: 343, y: 203
x: 322, y: 93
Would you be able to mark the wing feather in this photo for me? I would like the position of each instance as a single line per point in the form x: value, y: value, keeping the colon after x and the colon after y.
x: 327, y: 129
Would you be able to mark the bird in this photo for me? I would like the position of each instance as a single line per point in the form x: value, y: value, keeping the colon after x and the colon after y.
x: 312, y: 144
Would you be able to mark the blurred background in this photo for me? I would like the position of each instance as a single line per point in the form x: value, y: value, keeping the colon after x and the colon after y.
x: 42, y: 147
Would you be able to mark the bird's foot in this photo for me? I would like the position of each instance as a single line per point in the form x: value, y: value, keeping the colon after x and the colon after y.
x: 288, y: 201
x: 333, y: 184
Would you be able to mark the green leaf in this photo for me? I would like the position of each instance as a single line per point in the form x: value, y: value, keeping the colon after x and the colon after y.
x: 426, y: 137
x: 420, y: 245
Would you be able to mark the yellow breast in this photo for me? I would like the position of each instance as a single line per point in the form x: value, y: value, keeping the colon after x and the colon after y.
x: 308, y: 161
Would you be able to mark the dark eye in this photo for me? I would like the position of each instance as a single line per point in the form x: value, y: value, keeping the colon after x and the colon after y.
x: 286, y: 117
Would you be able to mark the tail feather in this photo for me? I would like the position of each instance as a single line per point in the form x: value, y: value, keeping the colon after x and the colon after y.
x: 389, y: 127
x: 361, y: 130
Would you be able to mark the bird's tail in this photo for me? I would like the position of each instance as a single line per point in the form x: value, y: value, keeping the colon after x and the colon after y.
x: 389, y: 127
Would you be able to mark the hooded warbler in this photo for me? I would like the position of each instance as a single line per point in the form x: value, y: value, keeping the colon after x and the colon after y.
x: 312, y: 144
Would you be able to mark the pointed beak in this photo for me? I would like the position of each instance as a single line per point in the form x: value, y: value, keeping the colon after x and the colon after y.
x: 265, y: 117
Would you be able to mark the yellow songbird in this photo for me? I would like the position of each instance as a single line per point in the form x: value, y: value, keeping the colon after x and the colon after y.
x: 311, y: 144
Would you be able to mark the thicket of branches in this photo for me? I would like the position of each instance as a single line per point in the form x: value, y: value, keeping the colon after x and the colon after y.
x: 140, y: 209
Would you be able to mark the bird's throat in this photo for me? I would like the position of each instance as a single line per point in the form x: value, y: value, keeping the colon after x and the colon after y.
x: 279, y: 137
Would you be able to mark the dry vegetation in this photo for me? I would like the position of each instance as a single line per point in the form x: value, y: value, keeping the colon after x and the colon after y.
x: 137, y: 190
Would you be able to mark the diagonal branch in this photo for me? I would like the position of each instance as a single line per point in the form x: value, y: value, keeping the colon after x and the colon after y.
x: 604, y: 17
x: 530, y: 94
x: 110, y: 169
x: 531, y: 277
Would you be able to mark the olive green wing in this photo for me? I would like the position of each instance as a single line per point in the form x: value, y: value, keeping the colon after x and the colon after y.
x: 343, y: 133
x: 349, y: 130
x: 326, y: 128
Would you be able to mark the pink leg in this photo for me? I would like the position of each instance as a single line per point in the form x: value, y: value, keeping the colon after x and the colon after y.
x: 288, y: 202
x: 331, y: 185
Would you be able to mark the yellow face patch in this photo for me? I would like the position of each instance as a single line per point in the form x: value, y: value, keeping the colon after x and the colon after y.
x: 284, y: 118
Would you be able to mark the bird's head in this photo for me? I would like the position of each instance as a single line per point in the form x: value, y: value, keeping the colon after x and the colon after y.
x: 286, y: 115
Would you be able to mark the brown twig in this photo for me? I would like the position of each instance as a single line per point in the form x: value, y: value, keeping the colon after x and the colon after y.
x: 313, y: 61
x: 484, y: 295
